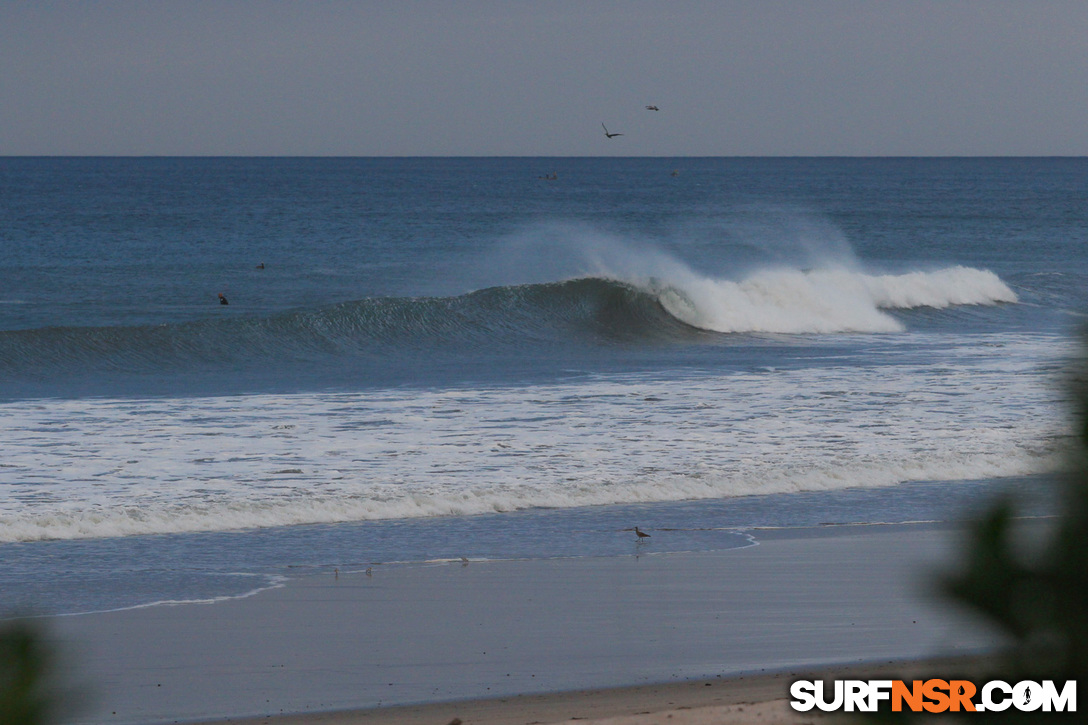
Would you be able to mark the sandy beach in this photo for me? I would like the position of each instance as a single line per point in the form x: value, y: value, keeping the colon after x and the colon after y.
x: 695, y: 630
x: 687, y: 702
x: 758, y: 698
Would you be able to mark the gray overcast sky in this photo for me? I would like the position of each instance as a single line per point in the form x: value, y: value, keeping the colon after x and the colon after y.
x: 479, y: 77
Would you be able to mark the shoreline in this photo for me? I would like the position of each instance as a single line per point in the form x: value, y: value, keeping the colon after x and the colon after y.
x: 142, y: 570
x: 800, y: 600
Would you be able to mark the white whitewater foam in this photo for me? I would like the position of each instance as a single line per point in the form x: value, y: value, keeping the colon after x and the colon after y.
x: 828, y: 293
x: 819, y: 301
x: 97, y: 468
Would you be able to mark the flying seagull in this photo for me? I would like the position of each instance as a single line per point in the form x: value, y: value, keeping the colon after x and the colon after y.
x: 609, y: 135
x: 652, y: 108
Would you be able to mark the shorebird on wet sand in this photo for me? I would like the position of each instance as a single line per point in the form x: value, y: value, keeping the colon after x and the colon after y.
x: 641, y: 534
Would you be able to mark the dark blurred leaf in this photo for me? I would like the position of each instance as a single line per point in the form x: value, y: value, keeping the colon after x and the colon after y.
x: 27, y: 696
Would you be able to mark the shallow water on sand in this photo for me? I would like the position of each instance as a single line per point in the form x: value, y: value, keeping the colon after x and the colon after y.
x: 55, y: 577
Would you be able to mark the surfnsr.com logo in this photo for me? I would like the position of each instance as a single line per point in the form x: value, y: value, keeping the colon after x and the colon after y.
x: 934, y: 696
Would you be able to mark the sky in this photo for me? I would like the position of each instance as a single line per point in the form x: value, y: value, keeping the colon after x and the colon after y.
x: 520, y: 78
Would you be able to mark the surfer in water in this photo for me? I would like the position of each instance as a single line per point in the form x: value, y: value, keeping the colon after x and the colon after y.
x: 223, y: 299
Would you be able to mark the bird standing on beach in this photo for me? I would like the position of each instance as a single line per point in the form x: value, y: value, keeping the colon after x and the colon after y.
x: 609, y: 135
x: 641, y: 534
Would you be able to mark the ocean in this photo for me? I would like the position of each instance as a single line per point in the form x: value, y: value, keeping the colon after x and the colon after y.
x: 424, y: 359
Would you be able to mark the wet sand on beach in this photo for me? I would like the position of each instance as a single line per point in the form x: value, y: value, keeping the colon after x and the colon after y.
x: 353, y: 646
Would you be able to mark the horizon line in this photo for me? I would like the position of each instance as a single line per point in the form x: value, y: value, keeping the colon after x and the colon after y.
x: 519, y: 156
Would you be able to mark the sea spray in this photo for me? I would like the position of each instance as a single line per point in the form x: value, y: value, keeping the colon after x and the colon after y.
x: 803, y: 277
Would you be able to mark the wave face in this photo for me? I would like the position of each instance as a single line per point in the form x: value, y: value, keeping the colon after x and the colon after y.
x: 680, y: 307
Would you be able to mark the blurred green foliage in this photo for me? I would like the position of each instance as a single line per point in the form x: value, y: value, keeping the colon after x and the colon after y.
x: 29, y: 692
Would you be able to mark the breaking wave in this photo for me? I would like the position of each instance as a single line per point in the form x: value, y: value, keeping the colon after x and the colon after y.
x: 587, y: 310
x: 825, y: 301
